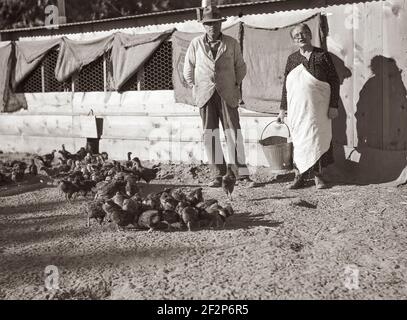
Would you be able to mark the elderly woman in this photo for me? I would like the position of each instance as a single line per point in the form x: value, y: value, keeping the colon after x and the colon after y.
x: 310, y: 97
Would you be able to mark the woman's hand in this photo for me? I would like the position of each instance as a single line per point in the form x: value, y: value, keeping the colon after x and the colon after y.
x: 281, y: 116
x: 332, y: 113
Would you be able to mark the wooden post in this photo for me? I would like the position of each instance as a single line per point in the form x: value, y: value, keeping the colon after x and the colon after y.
x: 61, y: 10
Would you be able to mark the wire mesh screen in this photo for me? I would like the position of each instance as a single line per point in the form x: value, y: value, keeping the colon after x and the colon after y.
x: 32, y: 83
x: 91, y: 77
x: 157, y: 72
x: 51, y: 84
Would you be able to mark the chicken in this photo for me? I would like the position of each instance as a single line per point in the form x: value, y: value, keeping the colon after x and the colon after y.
x: 94, y: 210
x: 152, y: 202
x: 115, y: 214
x: 85, y: 186
x: 49, y: 157
x: 19, y: 166
x: 206, y: 204
x: 229, y: 182
x: 109, y: 189
x: 104, y: 156
x: 151, y: 220
x: 167, y: 202
x: 32, y: 168
x: 225, y: 213
x: 88, y: 158
x: 16, y: 175
x: 195, y: 196
x: 146, y: 174
x: 188, y: 214
x: 178, y: 195
x: 81, y: 154
x: 118, y: 198
x: 129, y: 163
x: 131, y: 187
x: 64, y: 153
x: 68, y: 188
x: 219, y: 214
x: 132, y: 208
x: 170, y: 217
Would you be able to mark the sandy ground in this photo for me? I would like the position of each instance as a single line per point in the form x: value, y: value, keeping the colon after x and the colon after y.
x: 272, y: 248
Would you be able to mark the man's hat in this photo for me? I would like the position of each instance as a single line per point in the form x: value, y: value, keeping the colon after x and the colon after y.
x: 211, y: 14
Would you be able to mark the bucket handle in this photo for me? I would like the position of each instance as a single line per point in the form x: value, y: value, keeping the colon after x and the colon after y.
x: 288, y: 129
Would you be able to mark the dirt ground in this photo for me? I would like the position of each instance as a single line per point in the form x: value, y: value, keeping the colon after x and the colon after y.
x: 346, y: 242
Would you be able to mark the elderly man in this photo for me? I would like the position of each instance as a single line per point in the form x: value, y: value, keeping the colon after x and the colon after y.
x: 214, y: 68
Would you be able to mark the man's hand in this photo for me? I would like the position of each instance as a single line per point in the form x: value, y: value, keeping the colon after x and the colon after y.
x: 332, y: 113
x: 281, y: 116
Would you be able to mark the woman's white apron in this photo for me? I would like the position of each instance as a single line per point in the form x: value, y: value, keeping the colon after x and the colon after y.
x: 307, y: 117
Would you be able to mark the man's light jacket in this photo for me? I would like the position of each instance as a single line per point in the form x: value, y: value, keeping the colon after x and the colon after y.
x: 206, y: 74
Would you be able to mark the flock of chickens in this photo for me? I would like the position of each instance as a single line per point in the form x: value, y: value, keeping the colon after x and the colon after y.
x: 117, y: 191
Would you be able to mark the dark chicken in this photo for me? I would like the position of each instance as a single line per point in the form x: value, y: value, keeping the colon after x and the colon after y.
x: 229, y: 182
x: 147, y: 174
x: 95, y: 211
x: 68, y: 188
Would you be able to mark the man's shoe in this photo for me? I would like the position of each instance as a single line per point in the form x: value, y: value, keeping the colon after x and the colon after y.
x: 320, y: 183
x: 298, y: 183
x: 216, y: 183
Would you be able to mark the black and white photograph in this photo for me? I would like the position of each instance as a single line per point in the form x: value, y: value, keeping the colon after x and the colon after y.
x: 221, y: 151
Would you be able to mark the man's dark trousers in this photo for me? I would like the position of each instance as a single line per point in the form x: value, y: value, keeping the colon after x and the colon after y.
x: 212, y: 112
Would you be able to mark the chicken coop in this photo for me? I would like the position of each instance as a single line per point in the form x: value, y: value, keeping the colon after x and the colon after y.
x: 115, y: 84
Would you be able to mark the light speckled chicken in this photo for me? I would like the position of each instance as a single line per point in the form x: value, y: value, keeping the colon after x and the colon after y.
x: 152, y: 202
x: 94, y: 210
x: 118, y: 198
x: 178, y: 195
x: 219, y: 214
x: 151, y: 220
x: 167, y: 202
x: 207, y: 203
x: 116, y: 214
x: 131, y: 187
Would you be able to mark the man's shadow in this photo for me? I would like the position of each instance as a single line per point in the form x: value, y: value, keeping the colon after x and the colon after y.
x: 381, y: 122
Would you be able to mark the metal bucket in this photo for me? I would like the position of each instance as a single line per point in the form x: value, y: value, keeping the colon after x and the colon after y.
x: 278, y: 150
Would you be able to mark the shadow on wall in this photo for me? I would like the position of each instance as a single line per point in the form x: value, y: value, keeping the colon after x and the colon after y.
x: 339, y: 124
x: 381, y: 121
